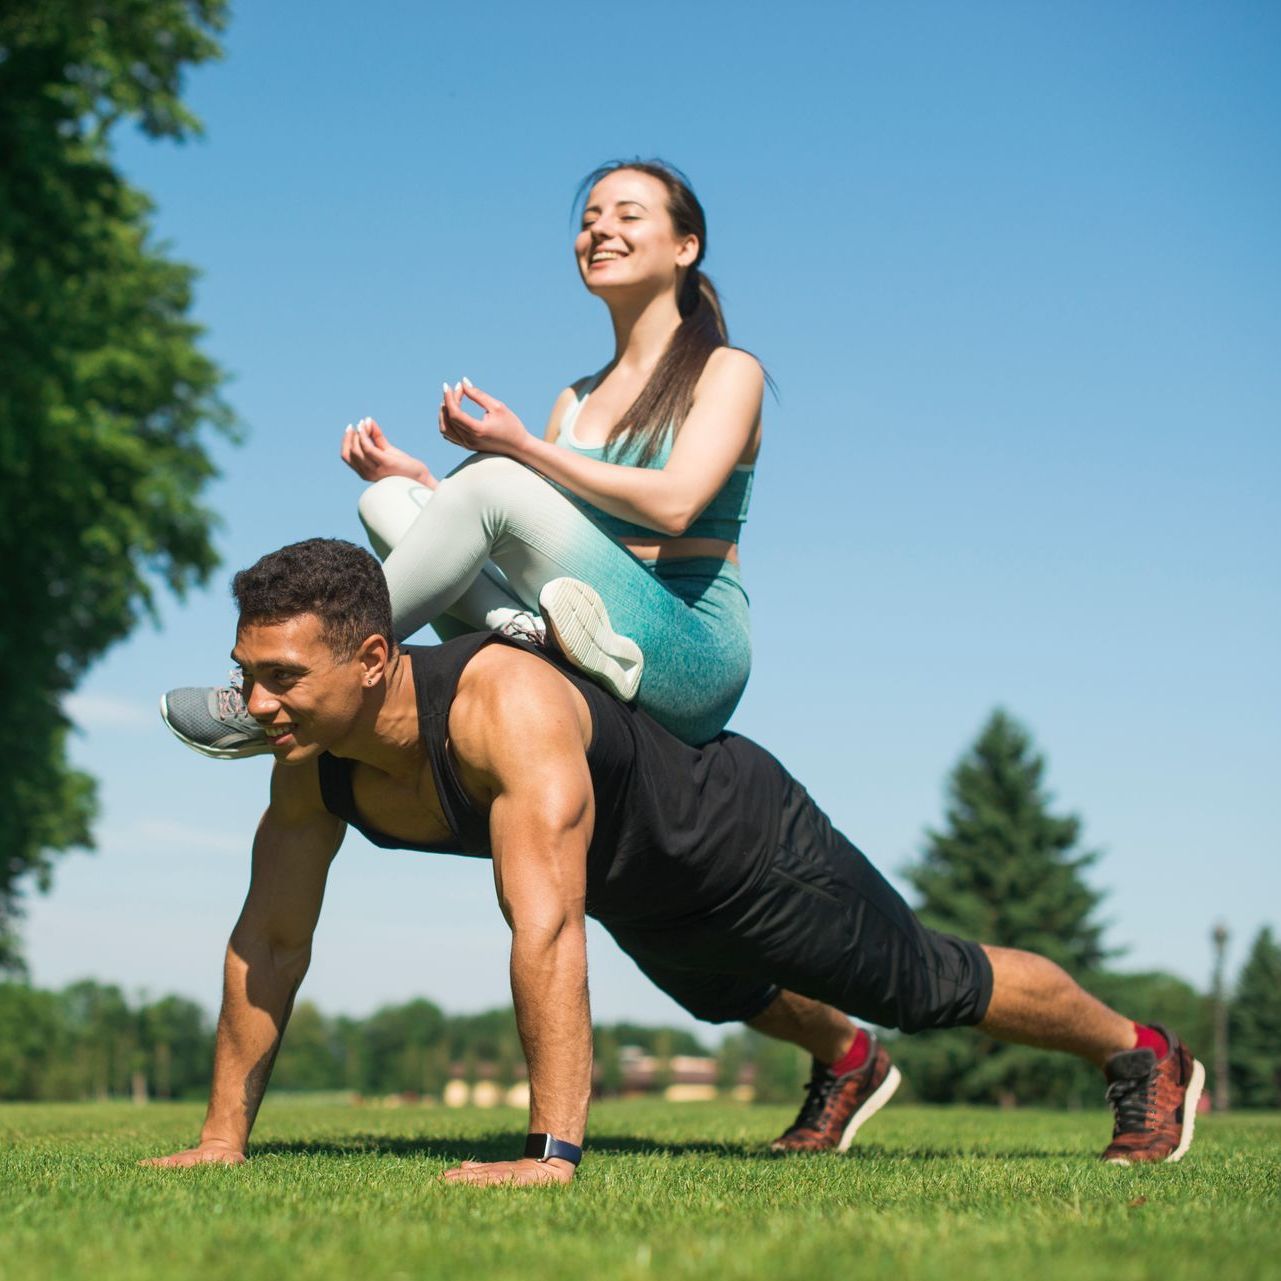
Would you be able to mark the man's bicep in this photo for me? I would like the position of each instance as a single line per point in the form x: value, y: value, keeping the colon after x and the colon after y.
x: 543, y: 809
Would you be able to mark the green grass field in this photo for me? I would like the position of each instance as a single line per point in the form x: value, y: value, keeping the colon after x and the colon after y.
x: 667, y: 1191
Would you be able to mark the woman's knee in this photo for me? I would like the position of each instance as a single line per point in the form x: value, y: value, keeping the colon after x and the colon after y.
x: 389, y: 506
x: 492, y: 476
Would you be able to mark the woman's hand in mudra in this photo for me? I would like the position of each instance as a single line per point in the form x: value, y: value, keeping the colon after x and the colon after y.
x: 498, y: 432
x: 368, y: 452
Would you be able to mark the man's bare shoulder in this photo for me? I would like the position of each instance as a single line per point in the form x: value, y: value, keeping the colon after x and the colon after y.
x: 296, y: 797
x: 506, y: 699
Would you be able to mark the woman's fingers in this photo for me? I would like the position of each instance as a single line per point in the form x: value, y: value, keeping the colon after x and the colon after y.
x: 483, y: 399
x: 458, y: 419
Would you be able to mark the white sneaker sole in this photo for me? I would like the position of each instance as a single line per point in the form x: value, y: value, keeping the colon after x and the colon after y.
x: 579, y: 623
x: 1191, y: 1097
x: 214, y: 753
x: 875, y: 1102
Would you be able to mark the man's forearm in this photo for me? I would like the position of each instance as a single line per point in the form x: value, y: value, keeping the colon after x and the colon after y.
x: 259, y: 985
x: 549, y: 989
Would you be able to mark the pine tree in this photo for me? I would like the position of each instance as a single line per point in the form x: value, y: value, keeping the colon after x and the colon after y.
x: 1005, y: 870
x: 1254, y: 1027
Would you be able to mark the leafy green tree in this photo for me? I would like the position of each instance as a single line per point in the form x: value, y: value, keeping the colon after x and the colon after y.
x: 177, y: 1046
x: 34, y: 1045
x: 310, y: 1057
x: 104, y: 395
x: 107, y: 1037
x: 781, y: 1069
x: 1254, y: 1027
x: 1005, y: 870
x: 398, y: 1040
x: 730, y: 1059
x: 655, y: 1040
x: 607, y: 1065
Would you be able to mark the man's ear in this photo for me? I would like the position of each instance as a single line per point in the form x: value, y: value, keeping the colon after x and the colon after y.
x: 373, y: 656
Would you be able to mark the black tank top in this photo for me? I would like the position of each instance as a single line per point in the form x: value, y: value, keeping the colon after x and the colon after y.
x: 678, y: 829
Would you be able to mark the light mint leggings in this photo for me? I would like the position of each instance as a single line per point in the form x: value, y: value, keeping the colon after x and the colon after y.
x: 440, y: 549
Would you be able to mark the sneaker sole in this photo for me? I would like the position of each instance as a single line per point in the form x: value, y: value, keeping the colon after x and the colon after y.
x: 875, y: 1102
x: 214, y: 753
x: 1191, y: 1097
x: 579, y: 623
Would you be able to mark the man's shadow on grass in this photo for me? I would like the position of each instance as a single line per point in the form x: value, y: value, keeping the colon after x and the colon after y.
x: 505, y: 1147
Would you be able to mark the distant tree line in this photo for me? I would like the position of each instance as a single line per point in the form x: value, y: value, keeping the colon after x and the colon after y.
x: 90, y: 1041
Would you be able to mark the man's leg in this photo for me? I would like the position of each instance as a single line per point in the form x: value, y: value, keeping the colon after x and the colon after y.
x: 849, y: 939
x: 823, y: 1032
x: 851, y: 1078
x: 1034, y: 1002
x: 1154, y: 1083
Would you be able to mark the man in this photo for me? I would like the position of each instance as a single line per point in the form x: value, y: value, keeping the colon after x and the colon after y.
x: 710, y: 866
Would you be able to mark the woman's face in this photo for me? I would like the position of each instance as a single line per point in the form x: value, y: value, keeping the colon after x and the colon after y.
x: 627, y: 238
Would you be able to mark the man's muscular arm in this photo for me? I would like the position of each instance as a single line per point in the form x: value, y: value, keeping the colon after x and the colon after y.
x: 521, y: 727
x: 266, y: 960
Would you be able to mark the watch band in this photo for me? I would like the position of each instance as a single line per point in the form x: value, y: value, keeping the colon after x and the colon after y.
x: 545, y: 1147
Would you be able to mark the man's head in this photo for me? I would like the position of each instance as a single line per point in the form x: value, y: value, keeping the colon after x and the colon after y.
x: 314, y: 641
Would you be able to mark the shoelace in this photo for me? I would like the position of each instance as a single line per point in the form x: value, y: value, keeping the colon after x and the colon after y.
x: 1131, y: 1100
x: 231, y: 701
x: 821, y: 1084
x: 524, y: 626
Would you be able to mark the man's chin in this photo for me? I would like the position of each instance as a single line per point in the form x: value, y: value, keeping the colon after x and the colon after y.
x: 289, y: 751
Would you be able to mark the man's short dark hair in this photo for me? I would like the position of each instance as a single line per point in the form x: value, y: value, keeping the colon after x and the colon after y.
x: 342, y: 584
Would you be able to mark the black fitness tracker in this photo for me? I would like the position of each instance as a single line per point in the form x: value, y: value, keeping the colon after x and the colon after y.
x: 546, y: 1147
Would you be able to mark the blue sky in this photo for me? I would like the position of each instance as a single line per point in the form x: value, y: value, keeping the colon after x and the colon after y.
x: 1015, y: 270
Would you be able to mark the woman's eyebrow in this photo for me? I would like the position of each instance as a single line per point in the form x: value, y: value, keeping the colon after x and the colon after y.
x: 595, y: 209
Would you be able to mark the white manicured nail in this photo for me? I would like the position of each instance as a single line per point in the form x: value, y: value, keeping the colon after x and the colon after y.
x: 350, y: 427
x: 458, y: 389
x: 445, y: 388
x: 467, y: 382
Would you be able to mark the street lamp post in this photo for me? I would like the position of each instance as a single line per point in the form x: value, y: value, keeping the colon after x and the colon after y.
x: 1221, y: 1101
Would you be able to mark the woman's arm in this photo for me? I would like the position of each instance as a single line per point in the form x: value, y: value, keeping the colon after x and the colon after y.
x: 714, y: 437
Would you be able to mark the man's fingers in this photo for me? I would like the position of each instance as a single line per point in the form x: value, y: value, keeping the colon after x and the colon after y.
x: 183, y: 1160
x: 489, y: 1173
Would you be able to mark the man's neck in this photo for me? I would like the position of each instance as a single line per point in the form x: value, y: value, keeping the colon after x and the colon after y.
x: 387, y: 734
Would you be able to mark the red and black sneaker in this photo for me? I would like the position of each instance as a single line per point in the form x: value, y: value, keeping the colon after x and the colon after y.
x: 836, y: 1106
x: 1154, y: 1101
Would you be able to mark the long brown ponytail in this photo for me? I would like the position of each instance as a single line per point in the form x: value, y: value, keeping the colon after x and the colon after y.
x: 665, y: 400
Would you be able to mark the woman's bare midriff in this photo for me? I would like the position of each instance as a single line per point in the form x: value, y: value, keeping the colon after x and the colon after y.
x: 682, y: 548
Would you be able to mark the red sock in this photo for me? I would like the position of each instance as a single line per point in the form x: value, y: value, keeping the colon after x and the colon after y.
x: 855, y: 1056
x: 1148, y: 1038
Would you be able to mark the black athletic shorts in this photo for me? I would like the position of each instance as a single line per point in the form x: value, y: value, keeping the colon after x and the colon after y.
x: 820, y: 920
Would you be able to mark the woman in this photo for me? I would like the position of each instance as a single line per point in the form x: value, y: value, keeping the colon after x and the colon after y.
x: 631, y: 551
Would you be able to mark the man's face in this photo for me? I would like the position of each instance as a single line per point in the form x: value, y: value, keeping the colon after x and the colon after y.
x: 297, y: 688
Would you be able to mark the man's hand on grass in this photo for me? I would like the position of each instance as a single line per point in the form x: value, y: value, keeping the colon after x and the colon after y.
x: 524, y: 1172
x: 205, y: 1154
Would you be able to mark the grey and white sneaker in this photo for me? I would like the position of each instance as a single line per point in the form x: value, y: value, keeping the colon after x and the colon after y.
x: 214, y: 721
x: 520, y: 624
x: 578, y: 622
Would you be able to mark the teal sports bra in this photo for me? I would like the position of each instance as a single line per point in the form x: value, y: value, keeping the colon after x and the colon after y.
x: 722, y: 518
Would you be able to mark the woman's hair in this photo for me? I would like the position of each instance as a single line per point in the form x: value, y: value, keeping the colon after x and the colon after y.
x: 665, y: 399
